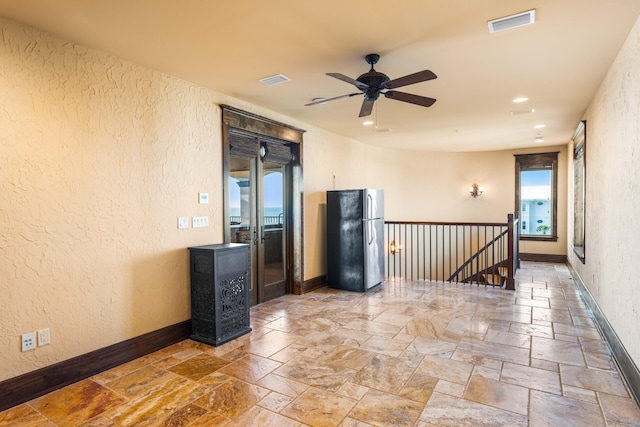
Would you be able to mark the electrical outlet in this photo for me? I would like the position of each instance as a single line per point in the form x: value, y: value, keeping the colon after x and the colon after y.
x: 28, y: 341
x: 44, y: 337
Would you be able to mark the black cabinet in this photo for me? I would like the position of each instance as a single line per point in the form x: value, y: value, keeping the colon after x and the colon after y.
x: 219, y: 292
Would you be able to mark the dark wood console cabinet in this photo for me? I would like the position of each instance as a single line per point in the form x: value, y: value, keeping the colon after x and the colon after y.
x: 219, y: 292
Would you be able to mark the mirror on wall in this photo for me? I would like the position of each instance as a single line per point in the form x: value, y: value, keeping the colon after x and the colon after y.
x: 579, y: 181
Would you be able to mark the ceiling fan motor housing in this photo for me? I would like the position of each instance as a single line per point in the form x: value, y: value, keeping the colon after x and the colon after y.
x: 374, y: 80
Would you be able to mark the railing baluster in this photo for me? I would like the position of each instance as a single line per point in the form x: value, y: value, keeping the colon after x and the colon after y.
x: 457, y: 239
x: 395, y: 273
x: 478, y: 258
x: 446, y: 252
x: 464, y: 249
x: 424, y: 248
x: 443, y: 252
x: 486, y: 260
x: 436, y: 245
x: 411, y: 244
x: 430, y: 252
x: 493, y: 255
x: 404, y: 245
x: 449, y: 274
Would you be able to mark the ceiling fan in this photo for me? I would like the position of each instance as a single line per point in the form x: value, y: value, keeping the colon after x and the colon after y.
x: 373, y: 84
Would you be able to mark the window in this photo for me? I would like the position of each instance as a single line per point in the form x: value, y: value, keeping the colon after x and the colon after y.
x: 536, y: 194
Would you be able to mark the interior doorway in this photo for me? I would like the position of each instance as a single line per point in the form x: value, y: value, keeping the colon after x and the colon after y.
x: 258, y: 217
x: 263, y: 204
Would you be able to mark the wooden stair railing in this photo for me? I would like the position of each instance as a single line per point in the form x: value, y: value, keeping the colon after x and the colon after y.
x: 473, y: 257
x: 480, y: 253
x: 494, y: 275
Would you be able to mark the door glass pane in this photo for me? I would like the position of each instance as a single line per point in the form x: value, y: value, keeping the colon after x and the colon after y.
x: 240, y: 200
x: 273, y: 223
x: 536, y: 202
x: 242, y: 212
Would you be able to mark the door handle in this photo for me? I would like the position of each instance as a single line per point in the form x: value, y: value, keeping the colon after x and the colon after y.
x: 255, y: 236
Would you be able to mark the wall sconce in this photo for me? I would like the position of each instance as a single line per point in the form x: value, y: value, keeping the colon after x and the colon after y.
x: 394, y: 247
x: 475, y: 191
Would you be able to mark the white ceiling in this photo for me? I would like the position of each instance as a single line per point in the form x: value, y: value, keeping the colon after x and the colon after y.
x: 557, y: 63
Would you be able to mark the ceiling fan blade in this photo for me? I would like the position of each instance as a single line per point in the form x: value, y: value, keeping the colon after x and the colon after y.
x: 367, y: 108
x: 323, y: 101
x: 344, y: 78
x: 410, y: 98
x: 420, y: 76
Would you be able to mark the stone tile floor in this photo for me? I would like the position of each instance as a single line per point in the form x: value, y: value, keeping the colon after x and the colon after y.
x: 406, y: 354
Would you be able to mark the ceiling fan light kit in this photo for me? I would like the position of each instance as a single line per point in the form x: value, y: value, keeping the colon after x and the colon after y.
x: 373, y: 84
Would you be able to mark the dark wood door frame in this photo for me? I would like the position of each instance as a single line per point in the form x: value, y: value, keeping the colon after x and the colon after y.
x: 233, y: 118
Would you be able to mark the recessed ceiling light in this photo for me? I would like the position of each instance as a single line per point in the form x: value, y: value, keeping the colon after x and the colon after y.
x: 512, y: 21
x: 538, y: 126
x: 539, y: 139
x: 521, y: 99
x: 275, y: 80
x: 382, y: 130
x: 367, y: 123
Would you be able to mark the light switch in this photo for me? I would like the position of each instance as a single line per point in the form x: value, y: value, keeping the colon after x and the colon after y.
x: 200, y: 221
x: 183, y: 222
x: 203, y: 197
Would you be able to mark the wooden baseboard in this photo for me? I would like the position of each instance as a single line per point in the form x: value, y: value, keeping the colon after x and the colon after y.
x: 562, y: 259
x: 626, y: 364
x: 23, y: 388
x: 313, y: 284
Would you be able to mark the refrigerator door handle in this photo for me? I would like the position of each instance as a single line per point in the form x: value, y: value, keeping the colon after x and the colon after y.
x: 369, y: 232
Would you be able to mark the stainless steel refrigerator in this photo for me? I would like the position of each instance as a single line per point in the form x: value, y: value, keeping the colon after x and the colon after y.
x: 355, y: 239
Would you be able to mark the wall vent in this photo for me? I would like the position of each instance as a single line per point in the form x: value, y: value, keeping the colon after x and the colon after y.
x: 513, y: 21
x: 275, y: 80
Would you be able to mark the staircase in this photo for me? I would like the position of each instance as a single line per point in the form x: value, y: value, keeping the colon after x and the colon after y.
x: 471, y: 253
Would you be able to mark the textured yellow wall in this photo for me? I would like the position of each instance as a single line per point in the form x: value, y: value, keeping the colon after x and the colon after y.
x: 99, y: 157
x: 612, y: 200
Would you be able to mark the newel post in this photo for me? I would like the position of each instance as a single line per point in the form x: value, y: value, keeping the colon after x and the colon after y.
x: 510, y: 283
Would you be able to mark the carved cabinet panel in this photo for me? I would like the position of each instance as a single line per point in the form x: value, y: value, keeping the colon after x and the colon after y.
x: 219, y: 292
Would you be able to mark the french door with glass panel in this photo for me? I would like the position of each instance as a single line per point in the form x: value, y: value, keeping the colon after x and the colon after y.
x: 258, y: 214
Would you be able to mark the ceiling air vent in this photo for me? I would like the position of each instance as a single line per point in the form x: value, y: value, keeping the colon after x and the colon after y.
x: 520, y: 112
x: 513, y: 21
x: 275, y: 80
